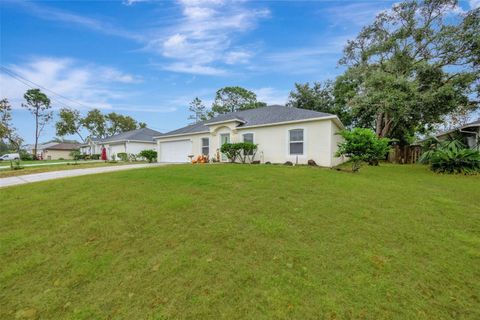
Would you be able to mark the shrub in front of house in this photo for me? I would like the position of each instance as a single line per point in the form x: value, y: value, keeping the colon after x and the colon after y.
x: 243, y: 151
x: 122, y: 156
x: 25, y: 156
x: 362, y: 145
x: 95, y: 156
x: 150, y: 155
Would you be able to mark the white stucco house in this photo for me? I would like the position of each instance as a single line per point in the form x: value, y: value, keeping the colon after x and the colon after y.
x: 281, y: 133
x: 130, y: 142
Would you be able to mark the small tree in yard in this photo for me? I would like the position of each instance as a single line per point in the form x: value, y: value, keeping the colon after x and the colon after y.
x: 150, y: 155
x: 362, y: 145
x: 39, y: 105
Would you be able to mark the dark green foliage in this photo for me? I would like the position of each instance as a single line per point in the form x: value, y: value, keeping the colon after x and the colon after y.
x: 362, y: 145
x: 465, y: 161
x: 230, y: 99
x: 39, y: 106
x: 70, y: 122
x: 122, y: 156
x: 76, y: 155
x: 231, y: 150
x: 244, y: 151
x: 25, y: 156
x: 95, y: 156
x: 319, y: 97
x: 417, y: 63
x: 150, y: 155
x: 450, y: 156
x: 198, y: 110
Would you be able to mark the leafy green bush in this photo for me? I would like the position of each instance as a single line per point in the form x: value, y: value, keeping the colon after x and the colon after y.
x: 432, y: 144
x: 122, y: 156
x: 132, y: 157
x: 231, y: 151
x: 25, y: 156
x: 362, y: 145
x: 95, y: 156
x: 450, y: 156
x: 150, y: 155
x: 76, y: 155
x: 466, y: 161
x: 242, y: 150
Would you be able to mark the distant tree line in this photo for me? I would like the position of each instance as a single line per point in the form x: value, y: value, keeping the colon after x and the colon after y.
x: 70, y: 121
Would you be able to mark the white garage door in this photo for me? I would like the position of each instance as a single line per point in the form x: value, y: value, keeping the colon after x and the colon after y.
x: 175, y: 151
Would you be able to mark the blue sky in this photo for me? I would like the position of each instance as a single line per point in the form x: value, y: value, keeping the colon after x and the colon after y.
x: 149, y: 59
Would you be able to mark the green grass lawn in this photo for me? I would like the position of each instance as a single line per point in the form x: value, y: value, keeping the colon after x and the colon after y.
x: 243, y: 242
x: 7, y: 162
x: 5, y: 173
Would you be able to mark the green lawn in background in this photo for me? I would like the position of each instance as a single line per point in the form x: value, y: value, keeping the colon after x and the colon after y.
x: 243, y: 242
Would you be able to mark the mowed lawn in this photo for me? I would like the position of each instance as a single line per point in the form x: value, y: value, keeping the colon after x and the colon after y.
x: 243, y: 242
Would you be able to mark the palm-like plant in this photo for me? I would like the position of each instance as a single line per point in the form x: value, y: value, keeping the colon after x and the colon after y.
x: 450, y: 156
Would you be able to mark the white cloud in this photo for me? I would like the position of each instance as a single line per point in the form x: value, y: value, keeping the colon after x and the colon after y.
x: 67, y: 82
x: 204, y: 35
x: 194, y: 69
x: 474, y: 4
x: 271, y: 95
x: 235, y: 57
x: 49, y: 13
x: 359, y: 14
x: 132, y: 2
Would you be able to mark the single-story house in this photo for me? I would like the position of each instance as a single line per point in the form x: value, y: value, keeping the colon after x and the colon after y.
x: 54, y: 150
x: 130, y: 142
x: 470, y: 133
x: 281, y: 133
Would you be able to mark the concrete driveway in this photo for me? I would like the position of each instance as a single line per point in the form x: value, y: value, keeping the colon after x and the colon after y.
x: 36, y: 177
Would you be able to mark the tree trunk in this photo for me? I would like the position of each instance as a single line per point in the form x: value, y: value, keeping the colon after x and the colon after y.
x: 383, y: 124
x: 36, y: 135
x: 378, y: 124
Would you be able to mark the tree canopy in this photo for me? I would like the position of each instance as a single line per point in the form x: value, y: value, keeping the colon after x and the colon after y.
x: 231, y: 99
x: 415, y: 64
x: 319, y: 97
x: 39, y: 106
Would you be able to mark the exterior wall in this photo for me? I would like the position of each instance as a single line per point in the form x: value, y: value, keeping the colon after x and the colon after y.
x: 136, y: 147
x: 56, y: 154
x: 273, y: 141
x: 336, y: 139
x: 114, y: 149
x: 127, y: 147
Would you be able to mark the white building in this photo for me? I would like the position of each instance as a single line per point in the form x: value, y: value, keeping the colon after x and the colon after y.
x: 281, y: 133
x: 130, y: 142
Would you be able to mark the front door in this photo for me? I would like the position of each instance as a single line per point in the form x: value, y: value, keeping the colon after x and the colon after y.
x: 224, y: 138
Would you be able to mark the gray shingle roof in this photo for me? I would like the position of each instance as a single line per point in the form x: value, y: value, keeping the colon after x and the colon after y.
x: 253, y: 117
x: 143, y: 134
x: 63, y: 146
x: 472, y: 124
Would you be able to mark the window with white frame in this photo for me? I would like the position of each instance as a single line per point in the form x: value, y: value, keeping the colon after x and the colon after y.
x: 248, y: 137
x: 205, y: 146
x: 296, y: 141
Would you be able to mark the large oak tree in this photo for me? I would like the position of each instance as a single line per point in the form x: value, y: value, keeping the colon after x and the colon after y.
x: 415, y: 64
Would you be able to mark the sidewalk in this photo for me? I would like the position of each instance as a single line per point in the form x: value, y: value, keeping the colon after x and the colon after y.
x: 7, y: 166
x: 29, y: 178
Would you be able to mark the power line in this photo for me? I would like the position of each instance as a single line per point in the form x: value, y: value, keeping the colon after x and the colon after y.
x: 34, y: 85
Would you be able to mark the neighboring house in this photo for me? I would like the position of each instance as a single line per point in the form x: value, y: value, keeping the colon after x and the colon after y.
x: 54, y: 150
x: 130, y: 142
x: 470, y: 133
x: 281, y: 133
x: 91, y: 146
